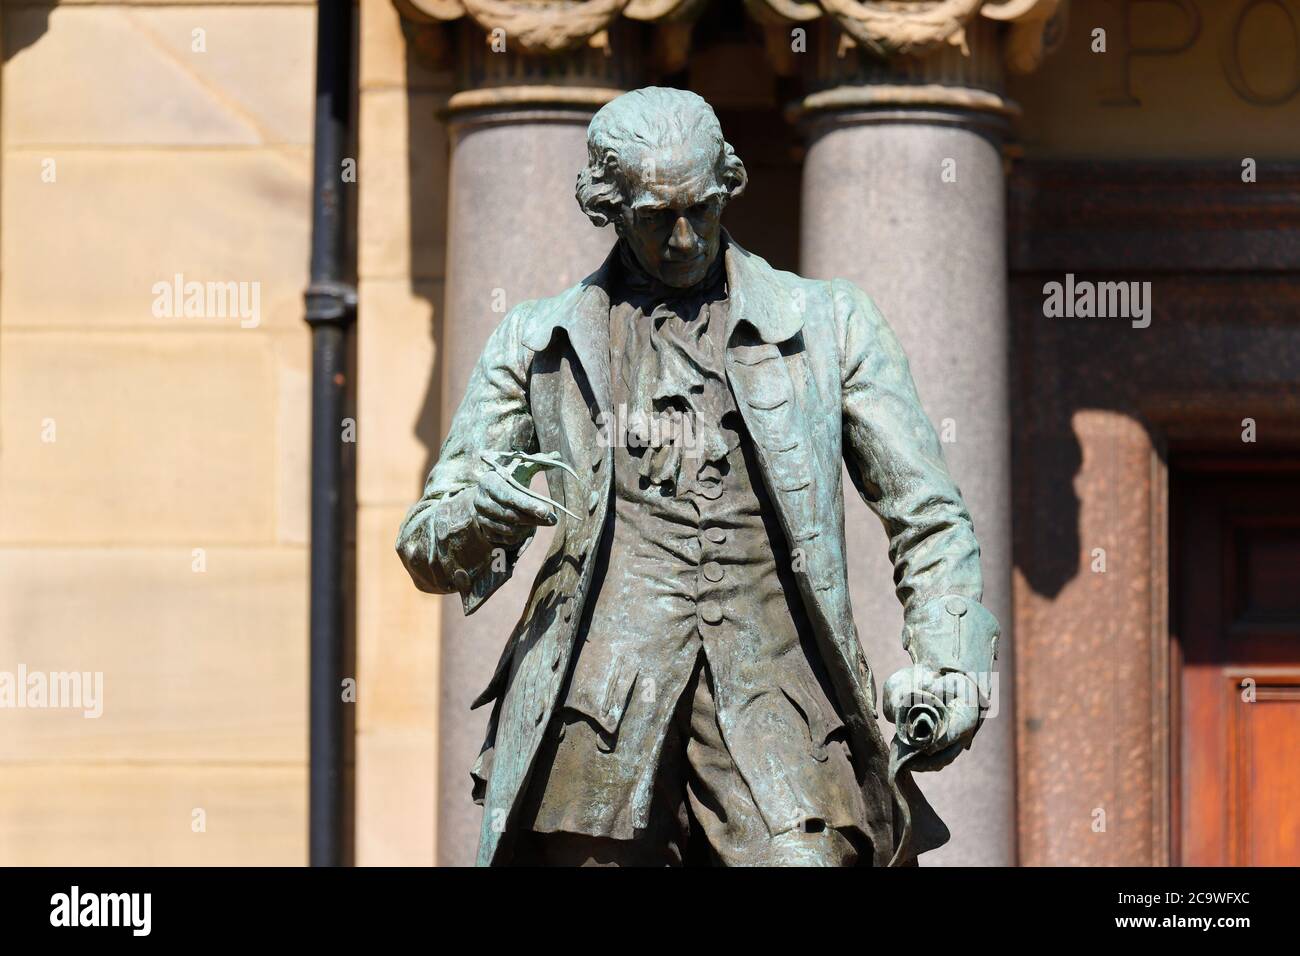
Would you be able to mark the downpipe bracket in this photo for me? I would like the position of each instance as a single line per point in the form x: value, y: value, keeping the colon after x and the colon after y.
x: 331, y: 303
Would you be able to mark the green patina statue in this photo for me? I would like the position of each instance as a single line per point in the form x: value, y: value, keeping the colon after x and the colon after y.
x: 686, y: 683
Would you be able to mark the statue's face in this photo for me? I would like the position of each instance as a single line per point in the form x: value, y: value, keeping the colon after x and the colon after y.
x: 672, y: 217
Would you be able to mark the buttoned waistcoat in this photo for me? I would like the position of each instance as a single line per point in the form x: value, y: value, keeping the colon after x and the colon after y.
x: 820, y: 380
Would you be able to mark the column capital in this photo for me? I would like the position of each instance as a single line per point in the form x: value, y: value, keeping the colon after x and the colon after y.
x: 533, y: 53
x: 1034, y: 29
x: 526, y: 26
x: 933, y: 52
x: 558, y: 27
x: 889, y: 28
x: 886, y: 28
x: 947, y: 55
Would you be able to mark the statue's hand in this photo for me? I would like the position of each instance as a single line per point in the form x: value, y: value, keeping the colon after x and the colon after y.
x: 505, y: 514
x: 934, y: 713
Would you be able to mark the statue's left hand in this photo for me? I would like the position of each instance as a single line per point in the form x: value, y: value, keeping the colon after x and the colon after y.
x: 934, y: 713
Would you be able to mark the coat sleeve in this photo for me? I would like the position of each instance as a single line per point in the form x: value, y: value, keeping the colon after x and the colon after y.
x: 896, y: 462
x: 440, y: 542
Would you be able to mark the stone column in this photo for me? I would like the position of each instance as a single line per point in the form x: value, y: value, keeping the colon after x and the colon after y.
x: 903, y: 194
x: 517, y: 129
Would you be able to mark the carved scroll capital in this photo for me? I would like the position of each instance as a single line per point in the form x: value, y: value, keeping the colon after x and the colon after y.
x: 892, y: 27
x: 430, y: 11
x: 889, y: 28
x: 1036, y: 28
x: 545, y: 26
x: 884, y: 28
x: 783, y: 11
x: 660, y: 11
x: 534, y: 27
x: 673, y: 20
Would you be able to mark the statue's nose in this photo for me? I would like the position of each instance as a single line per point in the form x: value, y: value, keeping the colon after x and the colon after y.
x: 683, y: 238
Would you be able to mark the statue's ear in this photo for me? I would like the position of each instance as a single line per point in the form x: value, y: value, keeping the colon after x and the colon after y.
x: 734, y: 175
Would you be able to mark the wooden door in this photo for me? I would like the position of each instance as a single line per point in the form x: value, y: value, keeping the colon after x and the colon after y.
x: 1235, y: 558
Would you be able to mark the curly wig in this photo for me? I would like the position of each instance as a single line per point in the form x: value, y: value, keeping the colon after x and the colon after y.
x: 648, y: 119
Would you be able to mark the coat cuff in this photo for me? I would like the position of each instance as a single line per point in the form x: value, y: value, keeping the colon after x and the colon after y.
x: 461, y: 547
x: 474, y: 567
x: 953, y: 632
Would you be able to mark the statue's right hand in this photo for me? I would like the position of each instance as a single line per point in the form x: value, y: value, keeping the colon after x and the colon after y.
x: 504, y: 513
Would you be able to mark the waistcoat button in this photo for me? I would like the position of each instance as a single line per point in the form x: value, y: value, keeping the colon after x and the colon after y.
x: 713, y: 572
x: 711, y: 612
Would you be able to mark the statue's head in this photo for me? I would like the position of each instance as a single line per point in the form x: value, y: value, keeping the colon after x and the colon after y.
x: 660, y: 171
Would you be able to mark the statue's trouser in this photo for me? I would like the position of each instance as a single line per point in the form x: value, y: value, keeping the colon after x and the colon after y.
x: 702, y: 811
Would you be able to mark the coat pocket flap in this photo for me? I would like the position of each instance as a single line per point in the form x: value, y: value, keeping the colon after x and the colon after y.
x: 820, y: 714
x: 604, y: 699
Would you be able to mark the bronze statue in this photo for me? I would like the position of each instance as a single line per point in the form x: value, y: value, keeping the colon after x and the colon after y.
x: 686, y: 683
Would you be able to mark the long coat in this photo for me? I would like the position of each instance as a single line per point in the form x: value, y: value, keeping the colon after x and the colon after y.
x: 819, y: 379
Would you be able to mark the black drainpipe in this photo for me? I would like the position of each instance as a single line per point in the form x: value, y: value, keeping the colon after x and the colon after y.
x: 331, y: 309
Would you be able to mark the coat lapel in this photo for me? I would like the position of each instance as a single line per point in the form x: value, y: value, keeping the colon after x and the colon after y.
x: 769, y: 394
x: 758, y: 298
x: 583, y: 315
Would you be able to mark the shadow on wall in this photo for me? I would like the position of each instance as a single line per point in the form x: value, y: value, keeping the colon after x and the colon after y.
x: 20, y: 27
x: 428, y: 159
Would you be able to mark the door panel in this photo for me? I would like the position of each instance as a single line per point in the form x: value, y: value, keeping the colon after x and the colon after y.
x: 1236, y: 620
